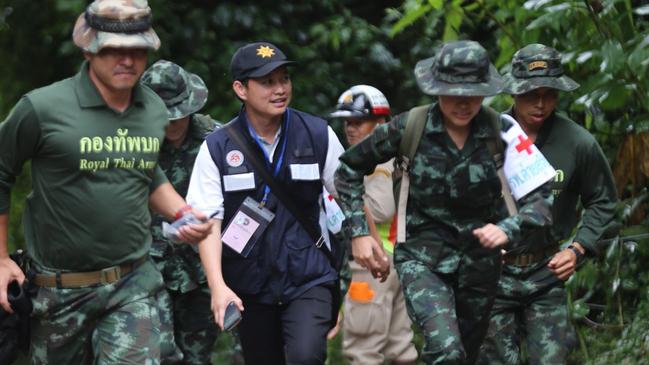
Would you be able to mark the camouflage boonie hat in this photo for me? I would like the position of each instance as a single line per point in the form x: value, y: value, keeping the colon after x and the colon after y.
x: 535, y: 66
x: 184, y: 93
x: 460, y: 68
x: 115, y: 23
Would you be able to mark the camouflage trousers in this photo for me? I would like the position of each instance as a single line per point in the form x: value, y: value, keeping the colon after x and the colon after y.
x: 451, y: 309
x: 108, y: 324
x: 188, y: 331
x: 530, y: 316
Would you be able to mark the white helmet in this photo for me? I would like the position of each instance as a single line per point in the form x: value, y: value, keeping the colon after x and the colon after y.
x: 361, y: 101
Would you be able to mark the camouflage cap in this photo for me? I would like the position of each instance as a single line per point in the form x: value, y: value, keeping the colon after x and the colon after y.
x: 184, y: 93
x: 460, y: 68
x: 535, y: 66
x: 115, y: 23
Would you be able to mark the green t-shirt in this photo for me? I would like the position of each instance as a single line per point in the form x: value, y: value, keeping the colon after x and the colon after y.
x: 583, y: 181
x: 93, y: 169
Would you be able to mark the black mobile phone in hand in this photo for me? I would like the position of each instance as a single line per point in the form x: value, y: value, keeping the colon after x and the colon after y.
x: 232, y: 317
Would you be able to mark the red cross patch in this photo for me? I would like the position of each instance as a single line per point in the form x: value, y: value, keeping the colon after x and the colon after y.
x: 524, y: 145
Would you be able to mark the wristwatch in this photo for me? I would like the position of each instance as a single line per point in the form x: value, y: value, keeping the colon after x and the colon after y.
x: 578, y: 253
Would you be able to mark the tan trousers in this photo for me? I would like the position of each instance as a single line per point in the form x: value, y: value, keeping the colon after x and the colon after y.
x: 378, y: 329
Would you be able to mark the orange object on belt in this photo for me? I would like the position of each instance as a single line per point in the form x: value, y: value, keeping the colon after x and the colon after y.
x: 360, y: 291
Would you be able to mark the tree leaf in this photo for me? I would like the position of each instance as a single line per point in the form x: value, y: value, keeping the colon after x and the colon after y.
x: 409, y: 18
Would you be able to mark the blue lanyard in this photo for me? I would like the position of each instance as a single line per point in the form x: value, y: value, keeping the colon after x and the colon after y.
x: 287, y: 119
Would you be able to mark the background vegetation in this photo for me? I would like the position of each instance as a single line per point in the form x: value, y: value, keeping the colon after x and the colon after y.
x: 343, y: 42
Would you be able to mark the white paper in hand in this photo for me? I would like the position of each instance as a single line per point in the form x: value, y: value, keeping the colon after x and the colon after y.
x: 525, y: 166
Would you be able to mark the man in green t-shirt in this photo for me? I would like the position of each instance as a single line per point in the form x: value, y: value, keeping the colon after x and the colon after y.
x: 530, y: 309
x: 93, y: 142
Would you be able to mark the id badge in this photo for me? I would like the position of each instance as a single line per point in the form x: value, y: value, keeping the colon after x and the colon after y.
x: 246, y: 227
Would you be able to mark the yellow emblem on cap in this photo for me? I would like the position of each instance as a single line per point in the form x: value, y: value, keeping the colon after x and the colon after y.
x: 537, y: 64
x: 348, y: 98
x: 265, y: 51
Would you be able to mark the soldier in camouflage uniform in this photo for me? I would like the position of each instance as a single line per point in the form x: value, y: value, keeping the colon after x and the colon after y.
x: 450, y: 261
x: 185, y: 313
x: 93, y: 141
x: 530, y: 306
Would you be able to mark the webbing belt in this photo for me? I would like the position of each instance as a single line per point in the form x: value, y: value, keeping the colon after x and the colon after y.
x: 530, y: 258
x: 104, y: 276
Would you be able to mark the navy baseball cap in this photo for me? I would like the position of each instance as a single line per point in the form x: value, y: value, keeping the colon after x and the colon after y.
x: 256, y: 60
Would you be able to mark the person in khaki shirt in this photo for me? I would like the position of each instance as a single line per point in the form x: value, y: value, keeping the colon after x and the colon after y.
x: 376, y: 327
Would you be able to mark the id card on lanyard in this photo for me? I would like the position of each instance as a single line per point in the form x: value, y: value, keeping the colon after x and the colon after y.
x: 246, y: 226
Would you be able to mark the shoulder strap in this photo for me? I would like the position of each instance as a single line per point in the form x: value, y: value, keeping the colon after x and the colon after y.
x: 497, y: 151
x: 414, y: 129
x: 495, y: 145
x: 407, y: 148
x: 279, y: 192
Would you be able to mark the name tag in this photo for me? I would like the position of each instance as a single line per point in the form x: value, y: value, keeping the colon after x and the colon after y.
x: 239, y: 182
x: 305, y: 171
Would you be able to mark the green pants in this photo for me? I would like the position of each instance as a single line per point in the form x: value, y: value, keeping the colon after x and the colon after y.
x: 530, y: 312
x: 189, y: 317
x: 107, y: 324
x: 451, y: 309
x: 188, y: 331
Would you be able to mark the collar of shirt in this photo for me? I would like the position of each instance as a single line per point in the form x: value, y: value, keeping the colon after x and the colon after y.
x: 272, y: 146
x: 268, y: 147
x: 89, y: 96
x: 544, y: 131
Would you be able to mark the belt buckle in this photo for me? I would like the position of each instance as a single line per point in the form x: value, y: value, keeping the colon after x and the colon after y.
x: 521, y: 260
x: 104, y: 279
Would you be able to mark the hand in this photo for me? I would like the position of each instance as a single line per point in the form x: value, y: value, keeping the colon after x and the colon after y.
x: 564, y: 263
x: 334, y: 331
x: 491, y: 236
x: 9, y: 272
x: 370, y: 255
x: 195, y: 233
x: 221, y: 297
x: 383, y: 272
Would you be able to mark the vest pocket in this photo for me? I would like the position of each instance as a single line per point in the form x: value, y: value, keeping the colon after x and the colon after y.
x: 241, y: 274
x: 305, y: 262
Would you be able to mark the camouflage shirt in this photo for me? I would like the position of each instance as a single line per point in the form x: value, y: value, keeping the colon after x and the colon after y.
x: 451, y: 193
x: 179, y: 263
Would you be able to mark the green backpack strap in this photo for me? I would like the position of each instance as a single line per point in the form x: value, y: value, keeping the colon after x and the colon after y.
x: 495, y: 145
x: 497, y: 151
x: 412, y: 135
x: 415, y: 124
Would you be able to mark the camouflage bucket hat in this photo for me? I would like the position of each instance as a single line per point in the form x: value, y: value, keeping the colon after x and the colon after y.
x: 460, y: 68
x: 184, y: 93
x: 535, y: 66
x: 115, y: 23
